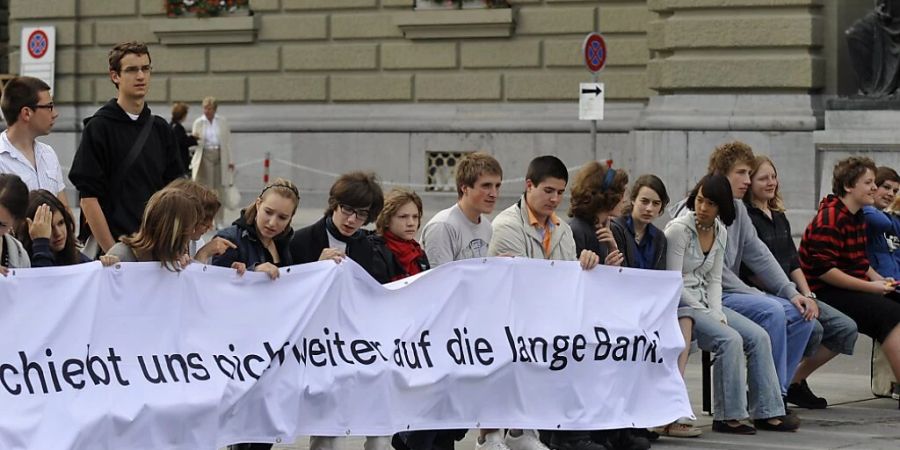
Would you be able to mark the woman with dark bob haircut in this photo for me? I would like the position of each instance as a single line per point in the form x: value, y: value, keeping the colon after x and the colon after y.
x: 49, y: 233
x: 696, y: 248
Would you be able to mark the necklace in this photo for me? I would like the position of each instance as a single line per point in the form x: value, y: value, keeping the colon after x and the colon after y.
x: 702, y: 227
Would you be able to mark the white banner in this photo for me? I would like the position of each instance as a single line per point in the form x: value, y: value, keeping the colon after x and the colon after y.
x: 141, y: 358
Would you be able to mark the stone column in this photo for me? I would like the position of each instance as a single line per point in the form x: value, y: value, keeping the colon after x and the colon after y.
x: 742, y: 69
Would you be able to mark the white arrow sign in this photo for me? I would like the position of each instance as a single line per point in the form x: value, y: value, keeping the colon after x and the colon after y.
x: 590, y: 101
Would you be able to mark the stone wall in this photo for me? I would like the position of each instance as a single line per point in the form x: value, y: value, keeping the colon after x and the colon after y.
x: 327, y: 86
x: 339, y: 51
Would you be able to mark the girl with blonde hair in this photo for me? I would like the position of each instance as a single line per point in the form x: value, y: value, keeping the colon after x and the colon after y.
x: 262, y: 234
x: 169, y: 220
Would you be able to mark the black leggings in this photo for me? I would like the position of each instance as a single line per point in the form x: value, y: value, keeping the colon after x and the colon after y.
x: 875, y: 315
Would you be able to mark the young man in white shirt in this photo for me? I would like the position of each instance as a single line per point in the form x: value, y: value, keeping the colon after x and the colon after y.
x: 29, y: 112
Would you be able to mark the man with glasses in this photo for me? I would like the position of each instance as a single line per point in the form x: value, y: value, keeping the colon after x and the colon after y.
x: 29, y: 113
x: 126, y: 154
x: 355, y: 200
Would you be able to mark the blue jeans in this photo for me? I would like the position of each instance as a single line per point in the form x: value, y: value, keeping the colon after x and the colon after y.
x: 733, y: 372
x: 787, y: 329
x: 834, y: 330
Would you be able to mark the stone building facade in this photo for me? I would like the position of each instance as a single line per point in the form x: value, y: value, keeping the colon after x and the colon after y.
x: 326, y: 86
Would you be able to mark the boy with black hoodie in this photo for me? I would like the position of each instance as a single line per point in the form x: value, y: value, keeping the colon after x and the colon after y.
x: 125, y: 155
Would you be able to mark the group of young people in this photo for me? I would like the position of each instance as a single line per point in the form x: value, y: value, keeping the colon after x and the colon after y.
x: 771, y: 313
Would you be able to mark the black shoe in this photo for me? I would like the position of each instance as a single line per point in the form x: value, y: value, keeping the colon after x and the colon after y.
x: 626, y: 439
x: 651, y: 436
x: 791, y: 418
x: 799, y: 394
x: 397, y: 442
x: 722, y: 427
x: 785, y: 424
x: 575, y: 444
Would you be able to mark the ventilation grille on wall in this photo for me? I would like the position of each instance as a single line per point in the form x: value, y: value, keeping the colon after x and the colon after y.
x: 440, y: 170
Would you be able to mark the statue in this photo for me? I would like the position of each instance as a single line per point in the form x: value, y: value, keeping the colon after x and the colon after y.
x: 874, y: 44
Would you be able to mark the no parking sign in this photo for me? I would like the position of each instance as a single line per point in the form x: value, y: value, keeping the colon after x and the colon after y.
x: 594, y: 48
x: 38, y: 53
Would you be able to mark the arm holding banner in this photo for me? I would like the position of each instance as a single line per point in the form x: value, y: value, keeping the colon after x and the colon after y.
x: 93, y: 213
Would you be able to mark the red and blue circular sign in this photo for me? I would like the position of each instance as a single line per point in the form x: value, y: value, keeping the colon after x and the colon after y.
x: 38, y: 43
x: 594, y: 52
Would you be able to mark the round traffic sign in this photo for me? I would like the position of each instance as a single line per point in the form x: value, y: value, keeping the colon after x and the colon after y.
x: 38, y: 43
x: 594, y: 48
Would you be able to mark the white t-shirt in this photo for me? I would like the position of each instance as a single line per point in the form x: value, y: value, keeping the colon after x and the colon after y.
x: 451, y: 236
x: 47, y: 175
x: 334, y: 242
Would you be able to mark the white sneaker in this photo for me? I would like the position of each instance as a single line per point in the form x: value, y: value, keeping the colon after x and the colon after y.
x: 492, y: 441
x: 527, y: 441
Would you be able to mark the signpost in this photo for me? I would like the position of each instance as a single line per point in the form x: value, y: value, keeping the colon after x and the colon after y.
x: 39, y: 53
x: 590, y: 102
x: 591, y: 97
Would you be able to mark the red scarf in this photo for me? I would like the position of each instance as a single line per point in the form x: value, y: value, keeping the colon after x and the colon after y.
x: 406, y: 252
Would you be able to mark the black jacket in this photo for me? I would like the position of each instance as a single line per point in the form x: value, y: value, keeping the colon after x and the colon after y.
x: 385, y: 265
x: 308, y: 243
x: 250, y: 250
x: 43, y: 256
x: 106, y: 140
x: 625, y: 241
x: 585, y: 237
x: 184, y: 142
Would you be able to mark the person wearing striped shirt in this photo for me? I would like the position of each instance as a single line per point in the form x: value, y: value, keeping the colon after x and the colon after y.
x: 833, y: 258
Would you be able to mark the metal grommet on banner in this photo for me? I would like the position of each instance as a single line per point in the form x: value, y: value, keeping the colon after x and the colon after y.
x: 620, y: 270
x: 278, y: 440
x: 288, y: 270
x: 204, y: 268
x: 552, y: 263
x: 118, y: 266
x: 477, y: 424
x: 558, y: 426
x: 484, y: 260
x: 348, y: 432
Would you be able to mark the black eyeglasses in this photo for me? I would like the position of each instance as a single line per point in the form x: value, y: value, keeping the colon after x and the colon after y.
x: 133, y: 70
x: 49, y: 106
x: 361, y: 214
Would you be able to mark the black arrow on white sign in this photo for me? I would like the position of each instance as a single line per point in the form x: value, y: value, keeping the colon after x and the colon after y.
x: 596, y: 91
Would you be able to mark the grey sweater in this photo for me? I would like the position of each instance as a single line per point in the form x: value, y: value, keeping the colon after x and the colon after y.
x: 702, y: 274
x: 18, y: 257
x: 745, y: 247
